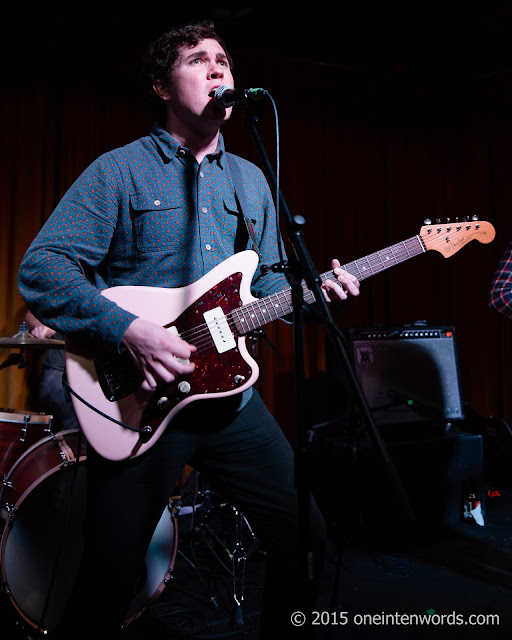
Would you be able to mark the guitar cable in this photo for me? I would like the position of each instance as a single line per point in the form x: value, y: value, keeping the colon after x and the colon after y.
x: 145, y: 433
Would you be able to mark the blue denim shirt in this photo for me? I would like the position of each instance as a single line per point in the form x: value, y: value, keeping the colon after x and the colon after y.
x: 145, y: 214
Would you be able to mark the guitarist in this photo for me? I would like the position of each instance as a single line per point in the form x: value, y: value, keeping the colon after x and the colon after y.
x: 161, y: 212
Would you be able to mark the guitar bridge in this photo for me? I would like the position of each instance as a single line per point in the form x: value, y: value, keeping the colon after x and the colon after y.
x: 118, y: 376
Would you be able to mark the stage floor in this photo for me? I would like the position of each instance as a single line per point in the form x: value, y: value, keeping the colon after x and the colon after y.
x: 390, y: 572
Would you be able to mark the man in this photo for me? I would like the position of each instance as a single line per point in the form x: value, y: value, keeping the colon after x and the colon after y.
x: 161, y: 212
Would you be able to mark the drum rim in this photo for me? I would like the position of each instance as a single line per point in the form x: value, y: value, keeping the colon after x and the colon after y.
x: 22, y: 414
x: 59, y: 439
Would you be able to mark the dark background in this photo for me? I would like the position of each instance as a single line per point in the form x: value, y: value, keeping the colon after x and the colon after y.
x: 388, y: 115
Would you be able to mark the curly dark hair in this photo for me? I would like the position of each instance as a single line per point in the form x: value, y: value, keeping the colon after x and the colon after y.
x: 160, y: 56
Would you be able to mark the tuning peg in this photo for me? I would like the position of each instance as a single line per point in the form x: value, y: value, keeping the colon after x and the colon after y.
x: 474, y: 217
x: 447, y: 219
x: 427, y: 221
x: 438, y: 220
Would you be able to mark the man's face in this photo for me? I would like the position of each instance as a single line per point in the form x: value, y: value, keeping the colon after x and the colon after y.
x: 197, y: 72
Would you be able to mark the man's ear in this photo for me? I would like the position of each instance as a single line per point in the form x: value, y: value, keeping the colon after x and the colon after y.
x: 161, y: 91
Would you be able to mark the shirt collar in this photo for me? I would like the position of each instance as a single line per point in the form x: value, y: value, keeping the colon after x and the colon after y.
x: 170, y: 148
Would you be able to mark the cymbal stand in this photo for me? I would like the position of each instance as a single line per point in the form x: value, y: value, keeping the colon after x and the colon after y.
x: 235, y: 564
x: 238, y: 557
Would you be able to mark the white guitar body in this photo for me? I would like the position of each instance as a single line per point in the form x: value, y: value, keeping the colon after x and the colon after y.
x: 165, y: 306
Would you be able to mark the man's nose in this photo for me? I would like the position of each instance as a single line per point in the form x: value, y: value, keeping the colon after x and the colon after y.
x: 216, y: 71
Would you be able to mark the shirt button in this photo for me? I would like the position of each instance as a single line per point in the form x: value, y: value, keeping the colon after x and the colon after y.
x: 201, y: 174
x: 156, y: 203
x: 182, y: 152
x: 208, y: 247
x: 204, y: 209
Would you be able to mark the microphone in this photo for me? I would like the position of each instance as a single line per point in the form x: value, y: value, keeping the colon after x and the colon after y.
x: 225, y: 96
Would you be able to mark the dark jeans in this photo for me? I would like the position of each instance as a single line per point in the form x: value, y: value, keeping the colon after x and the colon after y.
x: 243, y: 455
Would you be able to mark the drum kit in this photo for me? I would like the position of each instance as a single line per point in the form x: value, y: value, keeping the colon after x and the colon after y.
x: 42, y: 507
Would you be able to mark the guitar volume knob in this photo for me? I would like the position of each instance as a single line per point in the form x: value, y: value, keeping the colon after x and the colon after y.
x: 239, y: 379
x: 163, y: 403
x: 184, y: 386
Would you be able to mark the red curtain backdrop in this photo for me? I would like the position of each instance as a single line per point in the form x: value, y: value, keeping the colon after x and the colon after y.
x: 365, y: 166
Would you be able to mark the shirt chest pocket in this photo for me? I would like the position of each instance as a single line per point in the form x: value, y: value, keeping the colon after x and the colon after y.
x: 235, y: 224
x: 159, y: 225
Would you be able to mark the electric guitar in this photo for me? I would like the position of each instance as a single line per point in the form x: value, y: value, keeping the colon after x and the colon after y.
x: 120, y: 419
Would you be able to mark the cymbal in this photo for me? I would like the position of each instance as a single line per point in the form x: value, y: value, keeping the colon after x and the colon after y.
x: 28, y: 340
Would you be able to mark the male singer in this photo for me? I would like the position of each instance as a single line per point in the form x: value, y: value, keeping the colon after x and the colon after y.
x: 162, y: 212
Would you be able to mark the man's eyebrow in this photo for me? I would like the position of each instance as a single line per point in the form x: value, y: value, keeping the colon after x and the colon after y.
x: 200, y: 54
x: 195, y: 54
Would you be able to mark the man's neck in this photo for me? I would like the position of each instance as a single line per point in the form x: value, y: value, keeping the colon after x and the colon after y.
x: 199, y: 143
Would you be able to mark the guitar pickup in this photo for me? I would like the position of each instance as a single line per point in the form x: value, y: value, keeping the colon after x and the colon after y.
x: 219, y: 329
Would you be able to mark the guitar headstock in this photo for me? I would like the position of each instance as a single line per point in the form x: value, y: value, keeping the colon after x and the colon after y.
x: 448, y: 238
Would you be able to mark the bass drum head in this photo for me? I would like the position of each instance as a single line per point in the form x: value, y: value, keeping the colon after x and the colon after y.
x: 43, y: 541
x: 160, y: 560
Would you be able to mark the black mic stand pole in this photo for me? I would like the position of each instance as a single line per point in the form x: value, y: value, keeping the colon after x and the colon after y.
x: 300, y: 267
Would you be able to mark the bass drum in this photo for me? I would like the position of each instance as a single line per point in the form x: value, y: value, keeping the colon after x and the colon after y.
x: 43, y: 507
x: 19, y: 430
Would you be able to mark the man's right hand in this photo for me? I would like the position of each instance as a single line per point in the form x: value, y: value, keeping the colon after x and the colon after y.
x: 160, y: 354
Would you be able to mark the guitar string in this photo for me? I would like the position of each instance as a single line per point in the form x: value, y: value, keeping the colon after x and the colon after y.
x: 203, y: 335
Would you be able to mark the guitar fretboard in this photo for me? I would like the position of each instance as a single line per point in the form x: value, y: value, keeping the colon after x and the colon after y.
x: 277, y: 305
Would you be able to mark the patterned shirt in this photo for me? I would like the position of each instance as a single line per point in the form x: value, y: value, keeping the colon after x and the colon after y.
x: 145, y: 214
x: 500, y: 293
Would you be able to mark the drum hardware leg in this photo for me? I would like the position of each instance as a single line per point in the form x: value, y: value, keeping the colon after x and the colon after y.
x: 238, y: 557
x: 228, y: 550
x: 212, y: 599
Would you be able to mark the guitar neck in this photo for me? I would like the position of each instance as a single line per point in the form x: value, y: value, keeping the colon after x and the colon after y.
x: 277, y: 305
x: 382, y: 260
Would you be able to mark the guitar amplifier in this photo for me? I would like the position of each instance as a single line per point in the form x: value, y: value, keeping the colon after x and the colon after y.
x: 408, y: 373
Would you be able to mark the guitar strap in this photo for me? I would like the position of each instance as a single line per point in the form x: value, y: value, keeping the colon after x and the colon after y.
x: 236, y: 176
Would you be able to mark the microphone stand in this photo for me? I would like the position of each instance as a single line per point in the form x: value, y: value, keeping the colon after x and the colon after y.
x: 299, y: 268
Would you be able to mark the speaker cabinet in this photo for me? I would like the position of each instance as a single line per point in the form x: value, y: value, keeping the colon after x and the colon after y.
x: 437, y: 470
x: 408, y: 373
